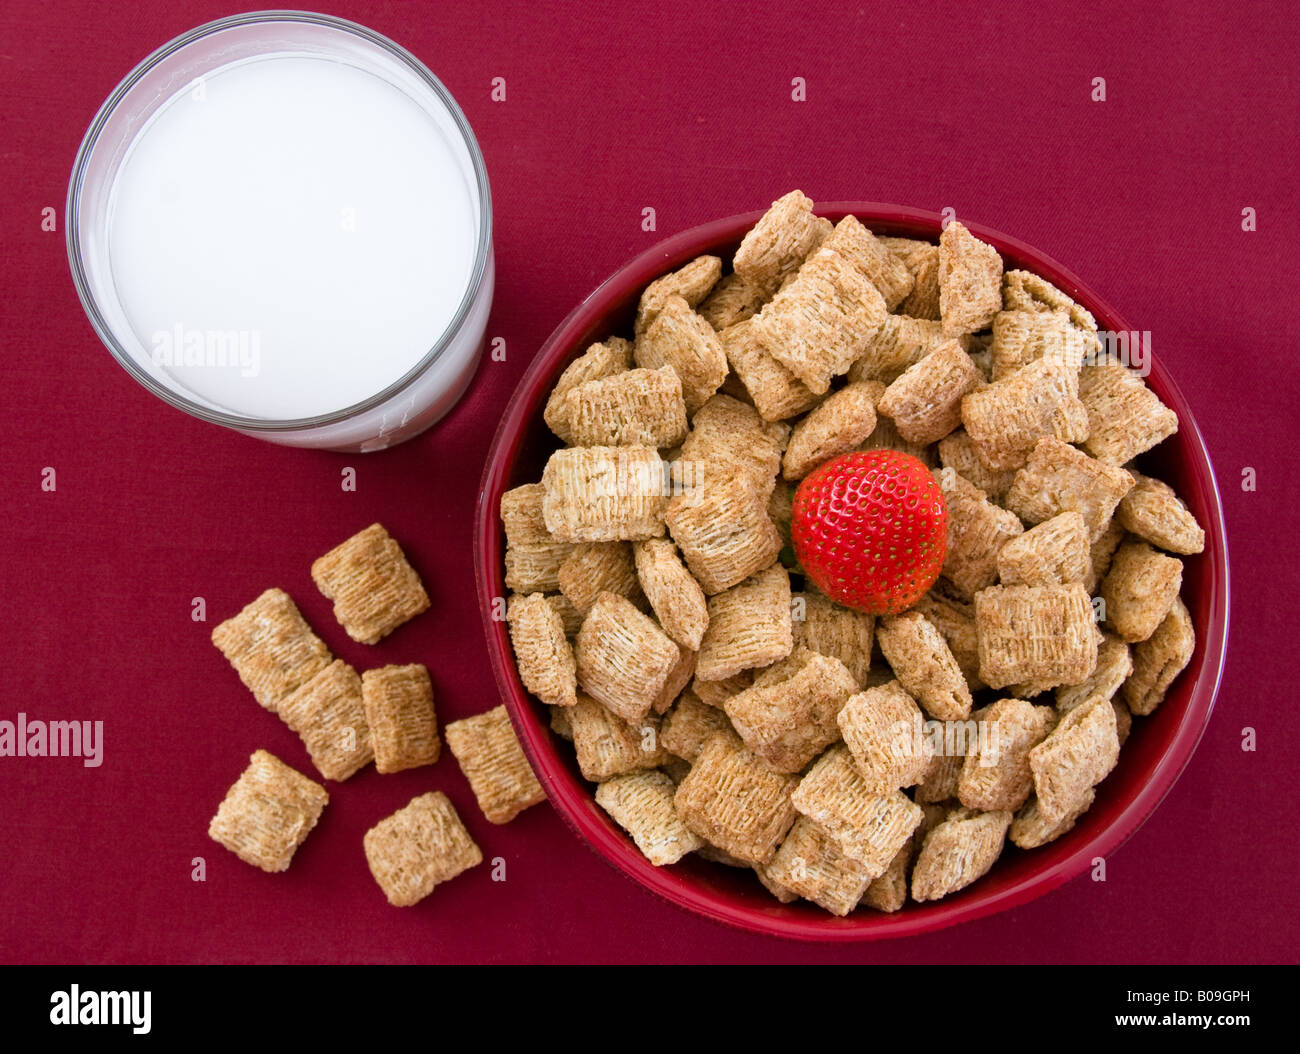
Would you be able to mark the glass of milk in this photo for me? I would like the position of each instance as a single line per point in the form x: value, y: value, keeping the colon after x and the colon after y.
x: 280, y: 222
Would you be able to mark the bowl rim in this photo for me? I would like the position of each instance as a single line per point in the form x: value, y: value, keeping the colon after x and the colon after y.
x: 612, y: 845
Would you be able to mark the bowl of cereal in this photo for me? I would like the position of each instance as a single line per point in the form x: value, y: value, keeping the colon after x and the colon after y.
x: 722, y: 730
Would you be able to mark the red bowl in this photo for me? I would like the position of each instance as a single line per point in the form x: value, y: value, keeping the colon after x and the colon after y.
x: 1156, y: 753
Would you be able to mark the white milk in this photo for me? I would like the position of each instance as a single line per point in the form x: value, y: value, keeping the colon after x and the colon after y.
x: 291, y: 236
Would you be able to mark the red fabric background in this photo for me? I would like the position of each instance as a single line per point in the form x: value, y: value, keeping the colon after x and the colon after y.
x: 609, y: 109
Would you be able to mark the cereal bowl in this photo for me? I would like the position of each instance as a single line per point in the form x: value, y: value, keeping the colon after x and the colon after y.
x: 1153, y: 757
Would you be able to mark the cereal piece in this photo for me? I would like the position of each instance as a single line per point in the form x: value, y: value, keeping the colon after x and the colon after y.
x: 419, y: 847
x: 1022, y: 337
x: 749, y: 626
x: 490, y: 756
x: 723, y: 530
x: 1008, y: 417
x: 785, y: 896
x: 732, y: 300
x: 688, y: 724
x: 1029, y: 829
x: 957, y: 452
x: 734, y: 801
x: 560, y: 723
x: 599, y: 360
x: 1080, y: 752
x: 642, y: 804
x: 869, y: 826
x: 1035, y: 633
x: 970, y: 281
x: 599, y: 567
x: 605, y: 494
x: 716, y: 693
x: 692, y: 283
x: 822, y: 321
x: 1159, y: 659
x: 543, y: 654
x: 810, y: 864
x: 726, y: 434
x: 1139, y: 589
x: 607, y: 745
x: 679, y: 338
x: 676, y: 598
x: 1026, y: 291
x: 922, y: 261
x: 944, y: 773
x: 788, y: 716
x: 977, y: 531
x: 881, y: 727
x: 268, y: 813
x: 886, y: 437
x: 1102, y: 551
x: 843, y: 421
x: 536, y: 568
x: 836, y: 631
x: 1125, y: 417
x: 925, y: 402
x: 899, y: 343
x: 924, y: 665
x: 1053, y: 553
x: 328, y: 714
x: 777, y: 393
x: 271, y: 647
x: 623, y: 658
x: 678, y: 678
x: 1114, y: 664
x: 636, y: 407
x: 373, y: 587
x: 398, y: 701
x: 521, y: 516
x: 570, y: 616
x: 885, y: 270
x: 780, y: 242
x: 956, y: 621
x: 888, y: 891
x: 1058, y: 478
x: 1153, y: 511
x: 996, y: 775
x: 957, y: 852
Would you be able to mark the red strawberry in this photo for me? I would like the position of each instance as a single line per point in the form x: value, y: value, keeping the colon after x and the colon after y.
x: 871, y: 530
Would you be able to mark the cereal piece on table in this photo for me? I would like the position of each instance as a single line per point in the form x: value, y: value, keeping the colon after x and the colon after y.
x: 1102, y: 551
x: 957, y: 852
x: 777, y: 393
x: 716, y: 693
x: 419, y: 847
x: 734, y: 801
x: 732, y: 300
x: 888, y: 891
x: 723, y: 530
x: 535, y: 568
x: 636, y: 407
x: 810, y: 864
x: 1139, y: 589
x: 1058, y: 478
x: 600, y: 360
x: 605, y: 494
x: 727, y: 434
x: 543, y: 654
x: 623, y: 658
x: 607, y: 745
x: 688, y: 724
x: 1008, y: 417
x: 775, y: 246
x: 957, y: 452
x: 267, y: 813
x: 1052, y: 553
x: 398, y: 702
x: 327, y: 713
x: 1159, y: 659
x: 679, y: 338
x: 822, y: 321
x: 593, y: 568
x: 999, y: 777
x: 642, y: 804
x: 1125, y: 417
x: 885, y: 270
x: 560, y: 723
x: 788, y: 716
x: 373, y: 586
x: 678, y: 678
x: 1022, y: 337
x: 869, y: 826
x: 749, y: 626
x: 899, y: 343
x: 839, y: 632
x: 494, y: 763
x: 1152, y: 510
x: 924, y: 665
x: 1045, y: 634
x: 1114, y: 664
x: 691, y: 282
x: 271, y: 647
x: 843, y: 421
x: 977, y: 531
x: 1029, y: 829
x: 970, y: 281
x: 1079, y: 754
x: 925, y: 402
x: 956, y: 621
x: 922, y: 261
x: 881, y: 729
x: 1026, y: 291
x: 675, y: 597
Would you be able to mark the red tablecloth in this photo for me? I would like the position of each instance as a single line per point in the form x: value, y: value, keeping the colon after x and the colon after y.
x: 985, y: 108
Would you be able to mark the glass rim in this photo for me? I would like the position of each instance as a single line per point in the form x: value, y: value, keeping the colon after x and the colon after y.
x: 482, y: 252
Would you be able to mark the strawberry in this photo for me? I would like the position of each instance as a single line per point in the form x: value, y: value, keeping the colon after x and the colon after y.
x: 871, y: 530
